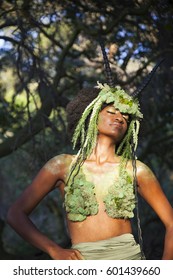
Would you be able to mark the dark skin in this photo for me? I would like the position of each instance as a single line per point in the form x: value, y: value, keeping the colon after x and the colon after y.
x: 102, y: 168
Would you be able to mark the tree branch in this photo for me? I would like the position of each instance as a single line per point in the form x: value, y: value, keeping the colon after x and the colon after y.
x: 37, y: 123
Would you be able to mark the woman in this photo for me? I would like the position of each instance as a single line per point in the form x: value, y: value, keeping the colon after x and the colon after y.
x: 99, y: 184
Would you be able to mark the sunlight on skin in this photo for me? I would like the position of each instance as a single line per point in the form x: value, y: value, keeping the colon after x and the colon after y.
x: 102, y: 180
x: 112, y: 110
x: 55, y: 164
x: 141, y: 167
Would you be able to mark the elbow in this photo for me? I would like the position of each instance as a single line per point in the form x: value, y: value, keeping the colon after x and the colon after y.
x: 13, y: 215
x: 169, y: 227
x: 10, y: 216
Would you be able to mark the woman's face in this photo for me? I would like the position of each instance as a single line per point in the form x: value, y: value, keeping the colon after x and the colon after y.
x: 113, y: 123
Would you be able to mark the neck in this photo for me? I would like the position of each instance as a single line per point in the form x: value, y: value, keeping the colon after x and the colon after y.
x: 104, y: 150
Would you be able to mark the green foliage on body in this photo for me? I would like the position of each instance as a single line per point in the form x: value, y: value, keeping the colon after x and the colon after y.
x: 80, y: 198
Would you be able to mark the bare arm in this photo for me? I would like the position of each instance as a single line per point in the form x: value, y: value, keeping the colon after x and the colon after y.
x: 18, y: 214
x: 150, y: 190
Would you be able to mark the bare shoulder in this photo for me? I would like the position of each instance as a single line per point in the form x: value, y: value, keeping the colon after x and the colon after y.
x: 146, y: 178
x: 143, y: 169
x: 57, y: 163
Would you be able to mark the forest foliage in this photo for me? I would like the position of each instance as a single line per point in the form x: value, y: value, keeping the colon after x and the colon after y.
x: 49, y: 50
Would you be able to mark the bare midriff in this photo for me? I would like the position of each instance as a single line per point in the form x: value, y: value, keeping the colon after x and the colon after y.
x: 98, y: 227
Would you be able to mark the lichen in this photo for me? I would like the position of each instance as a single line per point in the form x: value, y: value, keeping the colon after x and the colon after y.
x: 120, y: 200
x: 80, y: 198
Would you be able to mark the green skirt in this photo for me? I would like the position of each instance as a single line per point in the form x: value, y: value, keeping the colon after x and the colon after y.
x: 123, y: 247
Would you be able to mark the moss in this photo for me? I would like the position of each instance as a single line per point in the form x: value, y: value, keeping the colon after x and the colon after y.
x: 80, y: 198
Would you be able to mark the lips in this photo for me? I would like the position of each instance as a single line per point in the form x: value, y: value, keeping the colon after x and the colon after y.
x: 116, y: 124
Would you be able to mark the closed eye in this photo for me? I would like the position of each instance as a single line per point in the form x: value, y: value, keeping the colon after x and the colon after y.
x: 110, y: 112
x: 125, y: 116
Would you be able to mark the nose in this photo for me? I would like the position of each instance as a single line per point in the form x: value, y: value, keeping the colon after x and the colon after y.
x: 118, y: 115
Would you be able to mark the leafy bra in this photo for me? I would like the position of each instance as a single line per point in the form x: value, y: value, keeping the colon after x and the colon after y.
x: 80, y: 198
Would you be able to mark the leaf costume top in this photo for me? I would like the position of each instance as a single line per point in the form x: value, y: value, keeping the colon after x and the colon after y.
x: 80, y: 198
